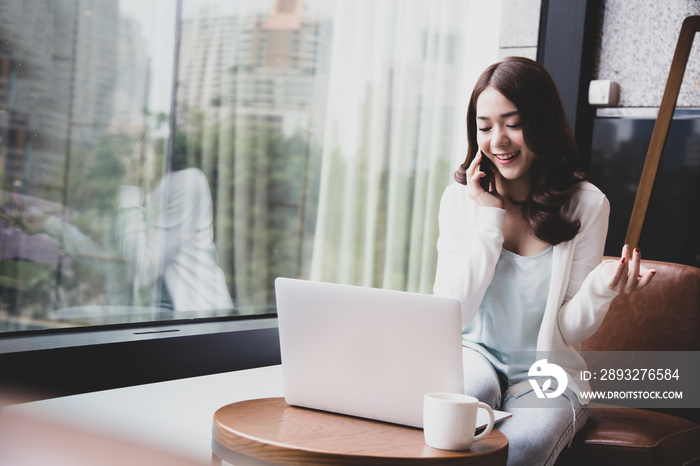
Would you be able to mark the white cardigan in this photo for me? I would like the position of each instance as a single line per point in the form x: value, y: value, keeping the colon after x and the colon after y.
x: 170, y: 233
x: 470, y: 242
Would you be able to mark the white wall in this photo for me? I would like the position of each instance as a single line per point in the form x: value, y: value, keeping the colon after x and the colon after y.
x: 636, y: 42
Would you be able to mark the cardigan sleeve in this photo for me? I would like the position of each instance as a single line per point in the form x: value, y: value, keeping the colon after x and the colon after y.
x: 151, y: 238
x: 587, y: 298
x: 469, y: 244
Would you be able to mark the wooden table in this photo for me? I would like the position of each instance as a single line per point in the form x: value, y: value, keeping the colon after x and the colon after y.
x: 269, y: 430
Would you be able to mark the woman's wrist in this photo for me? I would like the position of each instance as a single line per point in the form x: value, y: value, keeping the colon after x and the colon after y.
x: 490, y: 218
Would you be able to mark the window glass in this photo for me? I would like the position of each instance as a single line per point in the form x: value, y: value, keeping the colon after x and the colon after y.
x: 167, y: 159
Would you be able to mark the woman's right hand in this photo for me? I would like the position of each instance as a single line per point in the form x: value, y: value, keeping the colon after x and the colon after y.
x: 489, y: 198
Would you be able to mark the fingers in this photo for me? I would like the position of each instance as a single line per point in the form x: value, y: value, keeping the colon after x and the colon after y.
x: 474, y: 174
x: 474, y: 180
x: 629, y: 274
x: 645, y: 277
x: 476, y: 191
x: 619, y: 271
x: 633, y: 273
x: 616, y: 273
x: 473, y: 168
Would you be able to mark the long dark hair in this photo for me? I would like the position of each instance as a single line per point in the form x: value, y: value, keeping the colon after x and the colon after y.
x: 546, y: 131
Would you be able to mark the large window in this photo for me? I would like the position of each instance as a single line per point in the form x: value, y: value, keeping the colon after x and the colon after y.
x: 164, y: 160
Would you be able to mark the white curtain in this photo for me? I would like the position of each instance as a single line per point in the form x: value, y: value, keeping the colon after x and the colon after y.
x: 400, y: 77
x: 345, y: 186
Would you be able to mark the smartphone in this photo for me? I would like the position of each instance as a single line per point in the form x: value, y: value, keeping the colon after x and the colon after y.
x: 487, y: 167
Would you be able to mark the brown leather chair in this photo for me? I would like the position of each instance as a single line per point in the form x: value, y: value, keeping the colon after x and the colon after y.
x: 664, y: 316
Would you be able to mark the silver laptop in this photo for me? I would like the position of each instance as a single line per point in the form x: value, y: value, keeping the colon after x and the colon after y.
x: 367, y: 352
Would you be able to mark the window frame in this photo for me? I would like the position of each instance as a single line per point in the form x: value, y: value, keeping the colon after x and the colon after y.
x: 566, y: 48
x: 47, y: 364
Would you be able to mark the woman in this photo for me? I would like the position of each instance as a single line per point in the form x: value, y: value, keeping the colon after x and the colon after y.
x: 168, y: 238
x: 521, y: 246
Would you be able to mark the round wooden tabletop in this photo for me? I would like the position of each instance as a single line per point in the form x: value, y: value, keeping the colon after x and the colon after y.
x: 272, y: 431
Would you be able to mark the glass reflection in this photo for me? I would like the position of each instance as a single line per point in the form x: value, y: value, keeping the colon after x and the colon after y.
x: 134, y: 131
x: 168, y: 159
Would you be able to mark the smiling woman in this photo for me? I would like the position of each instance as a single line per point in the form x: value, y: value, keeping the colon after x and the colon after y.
x: 525, y: 257
x: 500, y: 133
x: 536, y: 163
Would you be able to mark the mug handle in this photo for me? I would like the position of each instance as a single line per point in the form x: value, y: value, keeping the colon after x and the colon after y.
x: 489, y: 426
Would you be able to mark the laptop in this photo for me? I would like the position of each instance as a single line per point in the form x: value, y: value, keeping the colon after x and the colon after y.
x: 367, y: 352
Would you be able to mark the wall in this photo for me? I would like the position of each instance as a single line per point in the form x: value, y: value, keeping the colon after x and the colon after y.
x: 636, y: 43
x: 520, y: 21
x: 635, y: 46
x: 631, y: 42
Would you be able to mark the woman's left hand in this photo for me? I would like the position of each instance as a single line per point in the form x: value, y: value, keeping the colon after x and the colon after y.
x: 627, y: 275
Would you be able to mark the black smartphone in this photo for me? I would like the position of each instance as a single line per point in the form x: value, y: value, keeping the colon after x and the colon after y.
x: 486, y: 166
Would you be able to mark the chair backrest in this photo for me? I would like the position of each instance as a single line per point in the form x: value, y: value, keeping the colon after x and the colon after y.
x: 689, y: 28
x: 663, y: 316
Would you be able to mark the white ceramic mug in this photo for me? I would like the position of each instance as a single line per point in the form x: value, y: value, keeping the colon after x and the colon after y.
x: 449, y: 420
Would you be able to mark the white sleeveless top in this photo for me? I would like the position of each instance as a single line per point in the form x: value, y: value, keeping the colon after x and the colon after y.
x: 510, y: 314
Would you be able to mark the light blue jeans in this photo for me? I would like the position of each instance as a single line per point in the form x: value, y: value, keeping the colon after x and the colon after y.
x: 539, y: 429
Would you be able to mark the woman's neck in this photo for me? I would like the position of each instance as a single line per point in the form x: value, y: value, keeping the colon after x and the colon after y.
x: 513, y: 191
